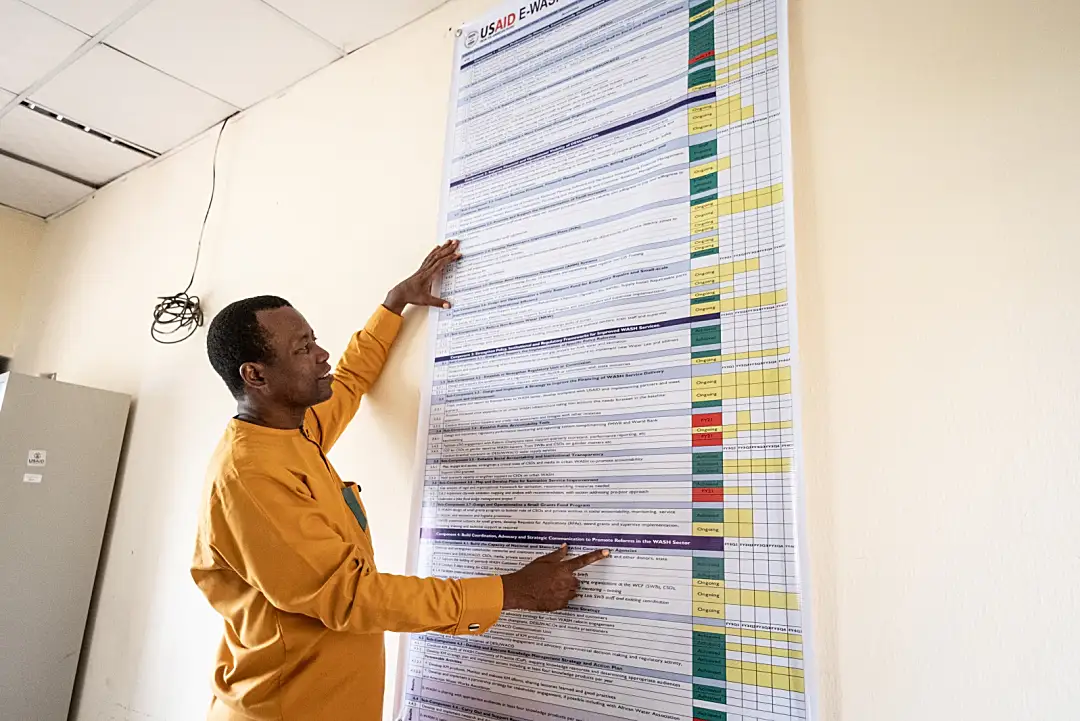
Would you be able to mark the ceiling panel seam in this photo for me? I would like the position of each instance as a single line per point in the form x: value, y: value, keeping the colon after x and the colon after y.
x: 337, y: 48
x: 388, y: 33
x: 48, y: 14
x: 49, y: 169
x: 78, y: 53
x: 156, y: 69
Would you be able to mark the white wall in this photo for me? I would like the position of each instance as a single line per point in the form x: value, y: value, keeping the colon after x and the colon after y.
x: 20, y: 235
x: 936, y: 152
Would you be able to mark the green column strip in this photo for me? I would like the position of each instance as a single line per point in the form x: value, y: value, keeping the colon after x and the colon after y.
x: 710, y: 693
x: 702, y: 151
x: 708, y: 462
x: 706, y: 714
x: 709, y: 569
x: 705, y: 182
x: 707, y: 335
x: 700, y: 77
x: 702, y: 39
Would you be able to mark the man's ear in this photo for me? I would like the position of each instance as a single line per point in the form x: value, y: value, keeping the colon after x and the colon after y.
x: 252, y: 375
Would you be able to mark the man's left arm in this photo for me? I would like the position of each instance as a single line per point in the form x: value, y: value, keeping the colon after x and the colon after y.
x: 365, y: 357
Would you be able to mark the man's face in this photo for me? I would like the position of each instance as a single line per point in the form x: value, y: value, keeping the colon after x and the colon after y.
x: 298, y: 374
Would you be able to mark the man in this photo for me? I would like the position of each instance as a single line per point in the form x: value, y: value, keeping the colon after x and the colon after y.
x: 283, y: 551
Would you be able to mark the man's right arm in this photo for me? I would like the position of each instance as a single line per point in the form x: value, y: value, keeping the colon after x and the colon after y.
x: 272, y: 534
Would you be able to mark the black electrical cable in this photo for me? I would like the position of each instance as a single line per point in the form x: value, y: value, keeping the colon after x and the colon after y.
x: 182, y: 313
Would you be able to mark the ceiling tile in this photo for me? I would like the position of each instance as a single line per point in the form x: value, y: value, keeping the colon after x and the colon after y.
x: 48, y: 141
x: 36, y: 191
x: 239, y: 50
x: 31, y: 44
x: 5, y: 97
x: 116, y: 94
x: 350, y: 24
x: 90, y: 16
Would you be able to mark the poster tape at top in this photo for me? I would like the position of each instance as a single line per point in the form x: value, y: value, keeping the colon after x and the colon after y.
x: 619, y: 369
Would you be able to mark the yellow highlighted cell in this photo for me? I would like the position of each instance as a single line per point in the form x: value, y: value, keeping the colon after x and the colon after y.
x: 698, y: 171
x: 763, y: 650
x: 714, y: 166
x: 746, y: 515
x: 704, y: 244
x: 708, y: 595
x: 737, y: 491
x: 765, y: 675
x: 724, y: 530
x: 743, y: 48
x: 744, y: 63
x: 705, y: 609
x: 705, y: 628
x: 701, y: 118
x: 750, y: 200
x: 708, y: 529
x: 757, y: 465
x: 723, y: 288
x: 705, y: 309
x: 734, y: 428
x: 700, y: 15
x: 723, y: 271
x: 758, y: 599
x: 743, y: 384
x: 743, y: 302
x: 705, y: 217
x: 742, y: 355
x: 723, y: 112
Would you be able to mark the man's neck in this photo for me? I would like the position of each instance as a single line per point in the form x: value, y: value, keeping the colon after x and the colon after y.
x: 283, y: 418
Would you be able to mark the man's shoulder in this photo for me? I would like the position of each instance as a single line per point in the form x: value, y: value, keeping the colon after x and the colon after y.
x: 236, y: 457
x: 250, y: 461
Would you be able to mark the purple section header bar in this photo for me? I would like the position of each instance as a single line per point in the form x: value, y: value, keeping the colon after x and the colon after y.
x: 607, y: 540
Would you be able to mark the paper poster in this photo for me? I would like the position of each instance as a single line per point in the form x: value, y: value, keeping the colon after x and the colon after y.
x: 618, y: 368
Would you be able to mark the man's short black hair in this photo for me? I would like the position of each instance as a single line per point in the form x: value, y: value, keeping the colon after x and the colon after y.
x: 235, y: 337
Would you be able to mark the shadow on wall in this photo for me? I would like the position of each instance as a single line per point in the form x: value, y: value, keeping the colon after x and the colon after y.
x: 813, y: 355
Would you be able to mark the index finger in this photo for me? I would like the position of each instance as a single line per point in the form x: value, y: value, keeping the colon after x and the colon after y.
x: 444, y: 252
x: 586, y: 559
x: 449, y: 257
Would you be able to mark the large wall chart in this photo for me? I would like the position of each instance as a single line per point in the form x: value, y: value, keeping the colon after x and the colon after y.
x: 617, y: 369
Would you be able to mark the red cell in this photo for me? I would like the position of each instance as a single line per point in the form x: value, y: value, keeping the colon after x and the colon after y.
x: 708, y: 495
x: 708, y: 439
x: 705, y: 420
x: 707, y: 54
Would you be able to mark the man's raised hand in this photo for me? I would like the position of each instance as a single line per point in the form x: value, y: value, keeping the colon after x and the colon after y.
x: 416, y: 289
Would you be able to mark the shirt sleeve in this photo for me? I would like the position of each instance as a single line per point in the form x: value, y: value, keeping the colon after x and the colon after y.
x: 358, y: 369
x: 271, y: 533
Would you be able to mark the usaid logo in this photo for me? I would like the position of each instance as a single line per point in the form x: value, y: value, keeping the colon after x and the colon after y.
x: 471, y: 38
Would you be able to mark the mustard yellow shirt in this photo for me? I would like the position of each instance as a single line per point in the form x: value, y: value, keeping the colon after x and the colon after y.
x: 284, y: 554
